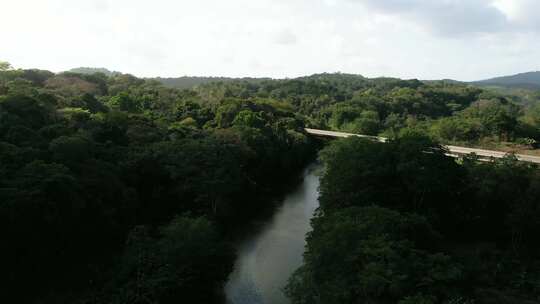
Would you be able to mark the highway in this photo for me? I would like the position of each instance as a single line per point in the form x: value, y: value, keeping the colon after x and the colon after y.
x: 454, y: 151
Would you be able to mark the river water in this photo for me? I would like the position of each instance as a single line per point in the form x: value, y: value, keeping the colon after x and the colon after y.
x: 268, y: 258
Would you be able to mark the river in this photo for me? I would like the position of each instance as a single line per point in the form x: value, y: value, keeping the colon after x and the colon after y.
x: 268, y: 258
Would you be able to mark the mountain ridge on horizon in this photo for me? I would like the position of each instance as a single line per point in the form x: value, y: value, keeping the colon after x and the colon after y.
x: 526, y: 80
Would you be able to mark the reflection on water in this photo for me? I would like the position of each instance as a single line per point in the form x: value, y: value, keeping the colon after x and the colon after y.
x: 267, y: 259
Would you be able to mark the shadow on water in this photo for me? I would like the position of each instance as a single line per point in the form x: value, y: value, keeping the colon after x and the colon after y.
x: 271, y: 253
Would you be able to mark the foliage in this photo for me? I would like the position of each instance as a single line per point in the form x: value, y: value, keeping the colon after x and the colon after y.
x: 181, y: 262
x: 98, y: 172
x: 400, y: 222
x: 116, y: 189
x: 447, y: 111
x: 4, y: 66
x: 369, y: 254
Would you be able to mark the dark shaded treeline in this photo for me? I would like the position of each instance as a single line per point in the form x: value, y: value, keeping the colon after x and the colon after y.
x: 403, y: 223
x: 119, y: 190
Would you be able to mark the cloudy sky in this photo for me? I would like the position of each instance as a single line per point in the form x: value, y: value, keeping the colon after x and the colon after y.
x: 426, y: 39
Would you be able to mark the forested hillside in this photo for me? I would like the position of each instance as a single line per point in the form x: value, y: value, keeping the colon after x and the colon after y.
x: 119, y: 190
x: 116, y: 189
x: 446, y: 111
x: 530, y: 80
x: 498, y: 117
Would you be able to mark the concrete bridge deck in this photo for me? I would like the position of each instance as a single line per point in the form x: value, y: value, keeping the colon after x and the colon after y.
x: 454, y: 151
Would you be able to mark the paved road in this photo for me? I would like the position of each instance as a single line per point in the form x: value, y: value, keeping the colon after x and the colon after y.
x: 455, y: 151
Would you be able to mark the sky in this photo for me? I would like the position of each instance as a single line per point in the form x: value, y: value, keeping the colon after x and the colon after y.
x: 425, y: 39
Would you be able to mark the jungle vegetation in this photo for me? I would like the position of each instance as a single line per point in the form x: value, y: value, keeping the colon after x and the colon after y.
x: 401, y: 222
x: 117, y: 189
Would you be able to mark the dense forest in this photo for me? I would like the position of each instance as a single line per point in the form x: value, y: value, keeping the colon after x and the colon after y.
x: 119, y: 190
x: 401, y: 222
x: 448, y: 112
x: 188, y: 82
x: 116, y: 189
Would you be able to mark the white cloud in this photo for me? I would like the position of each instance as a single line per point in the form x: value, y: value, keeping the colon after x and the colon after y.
x: 521, y: 13
x: 285, y: 37
x: 278, y: 38
x: 447, y: 17
x: 457, y: 17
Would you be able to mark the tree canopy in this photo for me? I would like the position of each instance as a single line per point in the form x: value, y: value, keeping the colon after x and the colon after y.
x: 401, y: 222
x: 117, y: 189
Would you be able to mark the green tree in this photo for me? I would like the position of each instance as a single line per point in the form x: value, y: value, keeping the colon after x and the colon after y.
x: 46, y: 196
x: 184, y: 263
x: 249, y: 119
x: 124, y: 102
x: 368, y: 255
x: 4, y: 66
x: 368, y: 123
x: 70, y: 149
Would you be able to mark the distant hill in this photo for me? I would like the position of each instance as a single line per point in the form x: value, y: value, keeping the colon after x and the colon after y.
x: 530, y: 80
x: 86, y: 70
x: 526, y: 81
x: 187, y: 82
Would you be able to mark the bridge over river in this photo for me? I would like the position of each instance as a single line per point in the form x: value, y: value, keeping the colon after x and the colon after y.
x: 454, y: 151
x: 272, y: 250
